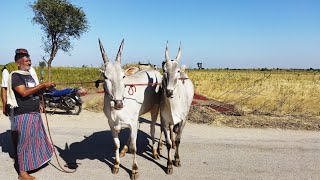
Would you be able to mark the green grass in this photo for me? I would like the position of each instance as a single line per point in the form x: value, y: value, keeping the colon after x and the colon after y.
x: 73, y: 77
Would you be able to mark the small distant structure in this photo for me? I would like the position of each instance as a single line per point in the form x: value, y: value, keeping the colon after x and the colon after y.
x: 200, y: 66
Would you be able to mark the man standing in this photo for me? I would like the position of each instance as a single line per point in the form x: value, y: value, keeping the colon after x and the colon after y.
x: 8, y: 68
x: 34, y: 149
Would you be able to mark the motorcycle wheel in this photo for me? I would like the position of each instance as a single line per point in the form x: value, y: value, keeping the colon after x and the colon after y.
x: 76, y: 111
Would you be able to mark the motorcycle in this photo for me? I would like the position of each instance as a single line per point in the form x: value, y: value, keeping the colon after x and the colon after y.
x: 67, y: 100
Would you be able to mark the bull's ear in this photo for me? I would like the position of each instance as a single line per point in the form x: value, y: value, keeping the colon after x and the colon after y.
x: 183, y: 68
x: 164, y: 68
x: 131, y: 71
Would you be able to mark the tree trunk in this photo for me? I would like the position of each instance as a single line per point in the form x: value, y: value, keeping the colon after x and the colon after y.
x: 49, y: 67
x: 49, y: 71
x: 53, y: 53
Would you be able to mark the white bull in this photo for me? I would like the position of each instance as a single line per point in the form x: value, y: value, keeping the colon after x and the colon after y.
x: 176, y: 99
x: 125, y: 99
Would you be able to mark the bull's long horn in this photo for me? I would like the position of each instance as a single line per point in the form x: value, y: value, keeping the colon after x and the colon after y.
x: 104, y: 56
x: 167, y: 53
x: 179, y: 53
x: 118, y: 58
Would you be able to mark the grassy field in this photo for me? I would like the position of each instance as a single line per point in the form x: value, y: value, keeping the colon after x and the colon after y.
x: 70, y: 76
x: 73, y: 77
x: 276, y: 92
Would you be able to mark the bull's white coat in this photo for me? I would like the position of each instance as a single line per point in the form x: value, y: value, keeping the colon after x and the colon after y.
x: 125, y: 99
x: 176, y: 99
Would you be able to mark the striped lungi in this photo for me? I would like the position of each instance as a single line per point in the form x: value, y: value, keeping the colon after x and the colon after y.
x: 34, y: 148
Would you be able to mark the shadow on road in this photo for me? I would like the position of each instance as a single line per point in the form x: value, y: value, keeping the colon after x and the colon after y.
x: 7, y: 147
x: 6, y: 143
x: 100, y: 146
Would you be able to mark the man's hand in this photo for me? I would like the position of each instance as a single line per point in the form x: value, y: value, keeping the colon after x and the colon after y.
x: 49, y: 84
x: 41, y: 108
x: 5, y: 107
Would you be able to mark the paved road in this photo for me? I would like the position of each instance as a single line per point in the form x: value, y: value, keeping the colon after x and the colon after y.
x: 206, y: 152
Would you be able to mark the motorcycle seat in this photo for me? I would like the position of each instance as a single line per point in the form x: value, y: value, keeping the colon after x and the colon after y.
x: 62, y: 92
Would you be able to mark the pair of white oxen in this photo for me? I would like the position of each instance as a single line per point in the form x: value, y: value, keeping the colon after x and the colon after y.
x: 129, y: 96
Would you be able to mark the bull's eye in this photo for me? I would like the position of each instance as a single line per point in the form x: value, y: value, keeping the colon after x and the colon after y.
x: 123, y: 77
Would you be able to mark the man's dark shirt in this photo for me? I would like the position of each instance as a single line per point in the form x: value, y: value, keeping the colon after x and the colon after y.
x: 29, y: 103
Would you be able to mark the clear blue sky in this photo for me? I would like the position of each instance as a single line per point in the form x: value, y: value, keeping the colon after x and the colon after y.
x: 218, y: 33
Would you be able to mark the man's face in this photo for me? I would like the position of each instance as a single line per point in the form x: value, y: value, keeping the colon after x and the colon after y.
x: 24, y: 63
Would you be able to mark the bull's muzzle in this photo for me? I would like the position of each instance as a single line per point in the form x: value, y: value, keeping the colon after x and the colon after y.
x: 118, y: 104
x: 169, y: 92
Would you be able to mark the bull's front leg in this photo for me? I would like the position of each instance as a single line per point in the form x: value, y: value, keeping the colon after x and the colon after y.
x: 154, y: 115
x: 177, y: 162
x: 169, y: 146
x: 116, y: 140
x: 172, y: 137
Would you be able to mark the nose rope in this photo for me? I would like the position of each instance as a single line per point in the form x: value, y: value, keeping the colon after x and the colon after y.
x: 97, y: 82
x: 182, y: 79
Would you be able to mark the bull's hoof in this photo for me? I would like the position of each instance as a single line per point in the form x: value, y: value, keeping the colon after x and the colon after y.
x: 134, y: 175
x: 134, y: 172
x: 177, y: 163
x: 115, y: 170
x: 122, y: 154
x: 124, y: 151
x: 156, y: 155
x: 169, y: 170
